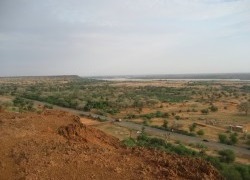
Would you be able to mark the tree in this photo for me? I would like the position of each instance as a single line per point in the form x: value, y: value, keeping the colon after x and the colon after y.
x: 244, y: 106
x: 227, y: 155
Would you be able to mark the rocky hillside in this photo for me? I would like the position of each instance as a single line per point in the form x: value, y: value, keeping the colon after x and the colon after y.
x: 55, y: 145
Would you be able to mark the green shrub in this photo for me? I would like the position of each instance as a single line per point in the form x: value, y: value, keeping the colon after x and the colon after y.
x: 177, y: 117
x: 130, y: 142
x: 244, y: 170
x: 143, y: 136
x: 48, y: 106
x: 230, y: 173
x: 227, y: 156
x: 233, y: 138
x: 224, y: 164
x: 23, y: 104
x: 223, y: 138
x: 158, y: 114
x: 200, y: 132
x: 215, y: 161
x: 182, y: 150
x: 156, y: 142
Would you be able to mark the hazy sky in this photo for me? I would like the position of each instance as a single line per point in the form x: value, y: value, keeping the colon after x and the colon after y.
x: 112, y: 37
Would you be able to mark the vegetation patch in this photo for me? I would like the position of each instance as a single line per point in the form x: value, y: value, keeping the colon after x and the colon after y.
x: 224, y: 163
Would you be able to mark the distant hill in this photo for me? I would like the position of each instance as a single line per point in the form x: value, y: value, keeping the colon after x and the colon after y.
x: 228, y: 76
x: 38, y: 77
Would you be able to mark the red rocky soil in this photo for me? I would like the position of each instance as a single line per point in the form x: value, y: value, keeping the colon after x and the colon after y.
x: 55, y: 145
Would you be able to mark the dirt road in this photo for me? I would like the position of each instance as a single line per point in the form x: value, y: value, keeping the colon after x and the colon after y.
x: 183, y: 138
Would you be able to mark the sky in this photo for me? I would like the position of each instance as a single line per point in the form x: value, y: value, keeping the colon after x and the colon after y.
x: 124, y: 37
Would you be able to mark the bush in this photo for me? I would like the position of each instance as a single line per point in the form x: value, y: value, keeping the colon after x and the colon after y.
x: 201, y: 146
x: 143, y: 136
x: 165, y: 115
x: 223, y: 138
x: 204, y: 111
x: 192, y: 127
x: 214, y: 108
x: 233, y: 138
x: 215, y: 162
x: 227, y: 156
x: 165, y: 124
x: 200, y: 132
x: 182, y: 150
x: 177, y: 117
x: 156, y: 142
x: 224, y: 163
x: 23, y: 104
x: 48, y: 106
x: 244, y: 171
x: 230, y: 173
x: 158, y: 114
x: 130, y: 142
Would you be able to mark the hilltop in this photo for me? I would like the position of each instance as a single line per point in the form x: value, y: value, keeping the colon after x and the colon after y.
x: 56, y: 145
